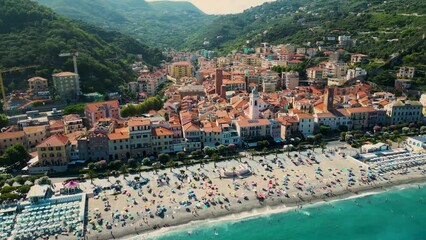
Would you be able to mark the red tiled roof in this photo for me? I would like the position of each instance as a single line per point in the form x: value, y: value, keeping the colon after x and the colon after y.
x: 161, y: 131
x: 55, y: 140
x: 93, y: 107
x: 64, y: 74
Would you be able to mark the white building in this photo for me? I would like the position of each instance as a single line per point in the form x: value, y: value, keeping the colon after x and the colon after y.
x: 399, y: 112
x: 406, y: 72
x: 67, y: 84
x: 306, y: 124
x: 417, y: 143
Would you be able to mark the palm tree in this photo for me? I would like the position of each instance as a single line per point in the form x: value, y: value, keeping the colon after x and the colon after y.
x: 171, y: 164
x: 91, y: 175
x: 186, y: 162
x: 399, y: 141
x: 156, y: 166
x: 124, y: 170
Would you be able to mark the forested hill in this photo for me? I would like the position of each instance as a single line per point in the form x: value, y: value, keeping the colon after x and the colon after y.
x: 382, y: 28
x: 162, y: 24
x: 31, y: 34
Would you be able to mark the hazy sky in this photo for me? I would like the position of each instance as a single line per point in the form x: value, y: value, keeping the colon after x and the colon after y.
x: 223, y: 6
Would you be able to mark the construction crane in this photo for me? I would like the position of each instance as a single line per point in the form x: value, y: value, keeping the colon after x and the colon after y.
x: 74, y: 56
x: 8, y: 70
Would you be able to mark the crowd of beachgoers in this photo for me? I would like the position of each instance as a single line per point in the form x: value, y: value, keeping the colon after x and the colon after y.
x: 136, y: 204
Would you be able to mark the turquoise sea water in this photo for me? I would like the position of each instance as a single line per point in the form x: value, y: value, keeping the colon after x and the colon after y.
x: 396, y: 214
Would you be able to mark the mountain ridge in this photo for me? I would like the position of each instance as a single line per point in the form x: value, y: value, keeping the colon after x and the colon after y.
x: 22, y: 44
x: 159, y: 23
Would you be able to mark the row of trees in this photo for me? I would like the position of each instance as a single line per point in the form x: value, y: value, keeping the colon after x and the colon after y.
x: 152, y: 103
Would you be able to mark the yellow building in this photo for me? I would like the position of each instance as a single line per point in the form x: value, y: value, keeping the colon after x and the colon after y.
x: 72, y: 123
x: 8, y: 139
x: 181, y: 69
x: 162, y: 140
x: 37, y: 84
x: 54, y: 151
x: 35, y: 134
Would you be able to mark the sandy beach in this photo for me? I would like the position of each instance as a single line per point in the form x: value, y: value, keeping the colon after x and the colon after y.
x: 197, y: 193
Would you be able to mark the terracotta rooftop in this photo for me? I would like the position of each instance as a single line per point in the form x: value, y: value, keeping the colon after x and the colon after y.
x: 360, y: 109
x: 253, y: 123
x: 34, y: 129
x: 56, y: 140
x: 64, y: 74
x: 7, y: 135
x: 93, y: 107
x: 190, y: 127
x: 138, y: 122
x: 118, y: 135
x: 34, y: 79
x: 161, y: 131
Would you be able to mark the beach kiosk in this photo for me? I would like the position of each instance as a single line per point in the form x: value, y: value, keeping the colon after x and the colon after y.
x: 39, y: 193
x: 71, y: 187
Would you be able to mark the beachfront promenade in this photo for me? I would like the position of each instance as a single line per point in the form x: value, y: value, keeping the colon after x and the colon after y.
x: 181, y: 195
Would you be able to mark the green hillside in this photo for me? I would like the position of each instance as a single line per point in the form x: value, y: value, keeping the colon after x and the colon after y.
x: 160, y: 24
x: 376, y: 25
x: 34, y: 35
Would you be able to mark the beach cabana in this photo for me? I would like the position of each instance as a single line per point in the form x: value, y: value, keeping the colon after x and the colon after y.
x: 72, y: 186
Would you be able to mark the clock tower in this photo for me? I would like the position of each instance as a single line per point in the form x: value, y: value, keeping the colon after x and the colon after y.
x: 329, y: 99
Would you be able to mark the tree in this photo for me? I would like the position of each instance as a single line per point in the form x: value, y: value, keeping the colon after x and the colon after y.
x: 44, y: 181
x: 16, y: 154
x: 343, y: 128
x: 197, y: 153
x: 115, y: 165
x: 156, y: 166
x: 325, y: 130
x: 318, y: 138
x: 152, y: 103
x: 132, y: 163
x: 180, y: 156
x: 342, y: 136
x: 91, y: 175
x: 405, y: 129
x: 208, y: 150
x: 75, y: 109
x: 223, y: 150
x: 163, y: 158
x: 215, y: 157
x: 4, y: 121
x: 146, y: 161
x: 124, y: 170
x: 186, y: 162
x: 171, y: 164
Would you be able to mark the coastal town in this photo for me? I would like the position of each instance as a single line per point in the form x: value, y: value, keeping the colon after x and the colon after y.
x: 205, y: 136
